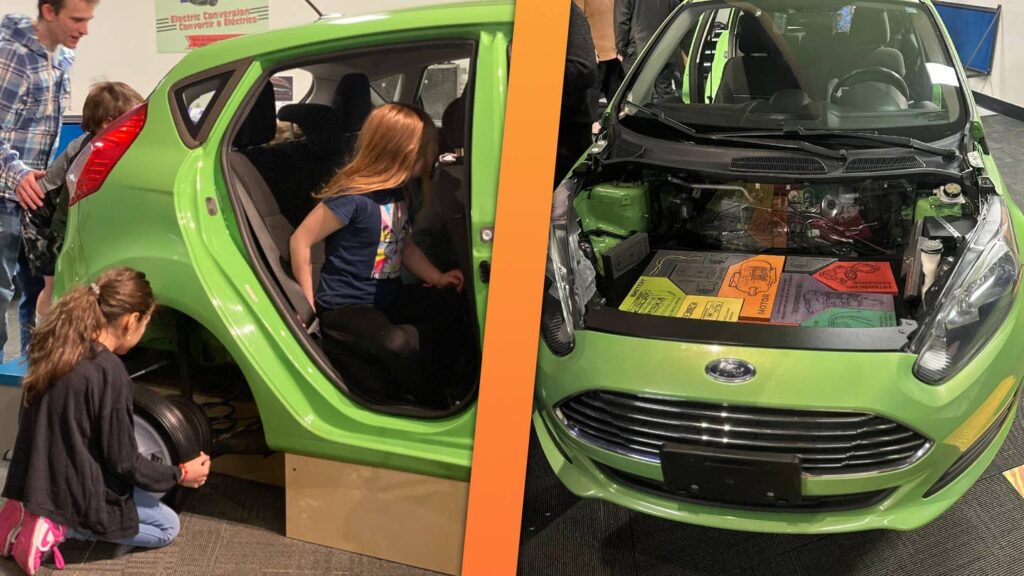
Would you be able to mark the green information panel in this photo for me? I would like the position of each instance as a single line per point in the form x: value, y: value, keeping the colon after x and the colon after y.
x: 852, y: 318
x: 183, y: 25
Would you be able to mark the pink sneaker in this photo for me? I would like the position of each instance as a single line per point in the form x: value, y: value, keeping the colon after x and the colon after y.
x: 10, y: 523
x: 38, y: 536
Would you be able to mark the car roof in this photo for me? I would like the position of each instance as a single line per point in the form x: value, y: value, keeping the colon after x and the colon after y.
x: 481, y: 13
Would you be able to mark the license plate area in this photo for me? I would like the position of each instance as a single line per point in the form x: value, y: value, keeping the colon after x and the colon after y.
x: 733, y: 476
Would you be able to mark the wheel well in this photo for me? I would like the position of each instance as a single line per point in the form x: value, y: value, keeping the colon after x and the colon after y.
x: 180, y: 356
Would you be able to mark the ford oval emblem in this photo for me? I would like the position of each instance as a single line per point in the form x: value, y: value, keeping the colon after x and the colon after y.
x: 730, y: 370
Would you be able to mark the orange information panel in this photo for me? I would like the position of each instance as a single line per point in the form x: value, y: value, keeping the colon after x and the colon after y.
x: 755, y: 281
x: 874, y: 277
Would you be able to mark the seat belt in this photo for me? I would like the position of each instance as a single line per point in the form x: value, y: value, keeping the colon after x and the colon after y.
x: 304, y: 312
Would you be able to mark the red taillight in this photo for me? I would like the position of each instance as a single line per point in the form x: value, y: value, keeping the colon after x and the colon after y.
x: 105, y: 149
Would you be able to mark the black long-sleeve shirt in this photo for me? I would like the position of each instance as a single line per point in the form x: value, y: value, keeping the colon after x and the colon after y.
x: 636, y: 21
x: 75, y: 459
x: 580, y: 77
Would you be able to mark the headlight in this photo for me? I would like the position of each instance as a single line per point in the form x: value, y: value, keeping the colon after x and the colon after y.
x: 570, y: 277
x: 974, y: 302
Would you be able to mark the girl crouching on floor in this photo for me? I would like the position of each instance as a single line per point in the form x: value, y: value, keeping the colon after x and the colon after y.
x: 76, y: 471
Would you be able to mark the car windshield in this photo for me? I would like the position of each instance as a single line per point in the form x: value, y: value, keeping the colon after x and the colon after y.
x: 782, y: 65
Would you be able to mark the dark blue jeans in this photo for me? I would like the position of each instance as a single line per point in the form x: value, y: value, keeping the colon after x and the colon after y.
x: 31, y: 286
x: 10, y: 245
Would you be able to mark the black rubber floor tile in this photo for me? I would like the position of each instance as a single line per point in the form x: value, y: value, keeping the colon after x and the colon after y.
x: 666, y: 548
x: 977, y: 537
x: 1011, y: 454
x: 590, y: 539
x: 564, y: 535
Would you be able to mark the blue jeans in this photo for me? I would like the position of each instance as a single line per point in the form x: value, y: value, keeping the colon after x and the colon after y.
x: 31, y: 286
x: 158, y: 524
x: 10, y: 247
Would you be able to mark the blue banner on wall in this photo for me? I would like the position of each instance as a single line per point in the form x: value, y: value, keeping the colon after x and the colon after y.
x: 71, y: 129
x: 973, y: 30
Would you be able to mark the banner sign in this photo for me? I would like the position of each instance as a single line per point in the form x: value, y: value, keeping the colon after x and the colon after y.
x: 183, y: 25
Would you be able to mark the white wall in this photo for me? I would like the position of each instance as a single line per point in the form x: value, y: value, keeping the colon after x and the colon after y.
x: 121, y: 45
x: 1006, y: 82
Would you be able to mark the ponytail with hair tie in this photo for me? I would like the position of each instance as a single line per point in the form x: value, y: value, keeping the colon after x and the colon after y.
x: 66, y: 334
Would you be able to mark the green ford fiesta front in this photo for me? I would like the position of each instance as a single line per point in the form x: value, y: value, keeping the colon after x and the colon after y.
x: 784, y: 296
x: 919, y: 448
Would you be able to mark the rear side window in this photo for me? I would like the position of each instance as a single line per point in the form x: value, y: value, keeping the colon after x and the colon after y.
x: 387, y: 88
x: 196, y: 101
x: 441, y: 84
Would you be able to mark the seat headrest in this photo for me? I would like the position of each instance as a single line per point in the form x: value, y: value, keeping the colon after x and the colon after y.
x: 352, y: 99
x: 453, y: 123
x: 751, y: 37
x: 870, y: 26
x: 260, y: 125
x: 321, y: 125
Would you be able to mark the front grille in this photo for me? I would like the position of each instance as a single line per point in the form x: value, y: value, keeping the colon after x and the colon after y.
x: 829, y: 503
x: 883, y: 164
x: 828, y: 443
x: 779, y: 164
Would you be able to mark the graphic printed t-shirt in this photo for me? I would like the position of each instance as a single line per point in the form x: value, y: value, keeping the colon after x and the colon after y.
x: 364, y: 257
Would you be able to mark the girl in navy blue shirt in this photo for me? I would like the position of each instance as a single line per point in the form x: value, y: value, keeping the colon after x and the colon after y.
x: 375, y: 337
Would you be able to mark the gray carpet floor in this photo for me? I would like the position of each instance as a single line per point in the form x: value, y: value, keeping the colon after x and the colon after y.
x: 563, y: 535
x: 230, y: 527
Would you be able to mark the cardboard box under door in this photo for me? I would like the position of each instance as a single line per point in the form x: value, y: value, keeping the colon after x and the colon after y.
x: 397, y: 516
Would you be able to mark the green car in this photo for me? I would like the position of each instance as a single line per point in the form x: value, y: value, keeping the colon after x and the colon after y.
x: 783, y: 285
x: 202, y: 185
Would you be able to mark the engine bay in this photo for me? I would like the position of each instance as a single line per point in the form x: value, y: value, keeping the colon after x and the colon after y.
x: 863, y: 253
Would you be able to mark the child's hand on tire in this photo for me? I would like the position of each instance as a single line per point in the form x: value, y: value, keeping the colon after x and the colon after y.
x: 195, y: 471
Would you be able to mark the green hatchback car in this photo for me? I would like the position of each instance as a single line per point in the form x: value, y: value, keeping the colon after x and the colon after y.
x: 783, y: 285
x: 202, y: 185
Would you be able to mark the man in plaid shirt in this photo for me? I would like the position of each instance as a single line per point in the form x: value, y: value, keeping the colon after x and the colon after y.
x: 35, y: 89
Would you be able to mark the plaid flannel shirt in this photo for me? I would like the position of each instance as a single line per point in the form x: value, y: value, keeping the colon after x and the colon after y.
x: 29, y: 123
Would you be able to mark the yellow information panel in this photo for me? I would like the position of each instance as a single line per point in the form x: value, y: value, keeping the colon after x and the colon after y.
x: 711, y: 308
x: 655, y: 296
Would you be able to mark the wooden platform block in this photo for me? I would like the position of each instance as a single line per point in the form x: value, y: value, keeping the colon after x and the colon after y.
x: 266, y: 470
x: 397, y: 516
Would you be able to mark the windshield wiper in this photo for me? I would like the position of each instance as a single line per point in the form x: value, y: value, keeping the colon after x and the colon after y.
x: 900, y: 141
x: 738, y: 138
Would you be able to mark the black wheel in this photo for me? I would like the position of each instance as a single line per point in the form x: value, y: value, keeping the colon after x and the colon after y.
x: 169, y: 430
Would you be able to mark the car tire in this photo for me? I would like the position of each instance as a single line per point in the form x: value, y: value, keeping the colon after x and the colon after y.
x: 169, y: 430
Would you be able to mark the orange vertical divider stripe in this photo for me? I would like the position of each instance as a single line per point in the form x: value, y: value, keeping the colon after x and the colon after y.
x: 517, y: 281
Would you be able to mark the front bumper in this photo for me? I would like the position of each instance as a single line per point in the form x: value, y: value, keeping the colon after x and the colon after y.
x: 954, y: 417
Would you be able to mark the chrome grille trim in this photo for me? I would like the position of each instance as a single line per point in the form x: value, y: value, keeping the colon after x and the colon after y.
x: 827, y: 442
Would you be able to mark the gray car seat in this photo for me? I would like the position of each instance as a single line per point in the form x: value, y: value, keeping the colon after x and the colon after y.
x: 867, y: 47
x: 352, y: 101
x: 441, y: 230
x: 254, y: 169
x: 759, y: 72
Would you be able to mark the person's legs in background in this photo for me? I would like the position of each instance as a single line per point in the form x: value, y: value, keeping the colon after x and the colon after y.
x: 31, y: 286
x: 611, y: 77
x: 158, y: 524
x: 10, y: 246
x: 668, y: 85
